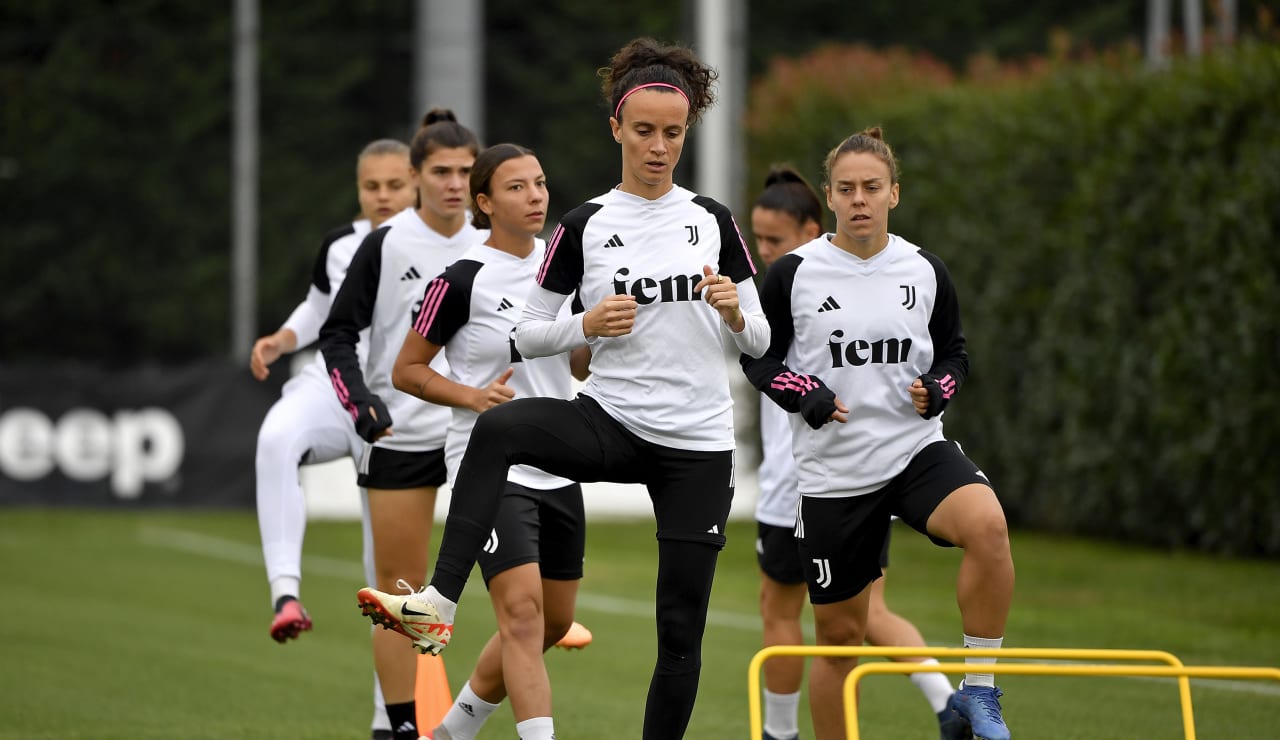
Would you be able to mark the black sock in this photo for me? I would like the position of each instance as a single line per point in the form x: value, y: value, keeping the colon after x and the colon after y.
x: 280, y: 602
x: 404, y: 720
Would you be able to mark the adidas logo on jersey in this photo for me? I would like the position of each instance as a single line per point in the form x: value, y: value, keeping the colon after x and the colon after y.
x: 828, y: 305
x: 505, y: 305
x: 614, y: 241
x: 411, y: 274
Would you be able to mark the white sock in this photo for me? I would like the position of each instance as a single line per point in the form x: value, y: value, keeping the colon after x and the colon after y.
x: 780, y: 712
x: 448, y: 609
x: 380, y: 719
x: 284, y: 586
x: 935, y: 686
x: 537, y: 728
x: 467, y: 715
x: 981, y: 679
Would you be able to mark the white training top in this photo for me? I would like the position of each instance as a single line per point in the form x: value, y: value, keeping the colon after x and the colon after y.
x: 666, y: 381
x: 867, y: 329
x: 471, y: 309
x: 327, y: 274
x: 779, y: 498
x: 383, y: 291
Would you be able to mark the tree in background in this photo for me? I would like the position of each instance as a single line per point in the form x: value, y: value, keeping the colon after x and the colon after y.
x: 115, y: 163
x: 115, y: 146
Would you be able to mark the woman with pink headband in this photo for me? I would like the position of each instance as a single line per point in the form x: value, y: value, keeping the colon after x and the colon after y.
x: 662, y: 269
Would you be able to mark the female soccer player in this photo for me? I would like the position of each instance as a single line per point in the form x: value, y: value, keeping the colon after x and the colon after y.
x: 307, y: 424
x: 403, y: 463
x: 866, y: 333
x: 787, y: 214
x: 661, y: 268
x: 532, y: 562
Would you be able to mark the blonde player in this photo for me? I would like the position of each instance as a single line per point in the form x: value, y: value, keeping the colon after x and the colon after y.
x: 787, y: 213
x: 866, y: 353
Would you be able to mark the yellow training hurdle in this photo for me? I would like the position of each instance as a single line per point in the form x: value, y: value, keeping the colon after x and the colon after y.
x: 1173, y: 669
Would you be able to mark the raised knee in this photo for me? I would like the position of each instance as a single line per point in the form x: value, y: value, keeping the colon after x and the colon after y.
x: 987, y: 536
x: 274, y: 442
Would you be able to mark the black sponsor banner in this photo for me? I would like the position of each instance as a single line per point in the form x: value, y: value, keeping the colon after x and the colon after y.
x: 153, y: 436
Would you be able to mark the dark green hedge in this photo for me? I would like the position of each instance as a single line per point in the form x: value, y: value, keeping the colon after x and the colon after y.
x: 1115, y: 237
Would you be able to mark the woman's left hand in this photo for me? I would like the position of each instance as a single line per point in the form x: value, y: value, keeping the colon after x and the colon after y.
x: 721, y: 293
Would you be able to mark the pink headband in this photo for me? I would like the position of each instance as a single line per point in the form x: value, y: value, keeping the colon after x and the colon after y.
x: 623, y: 99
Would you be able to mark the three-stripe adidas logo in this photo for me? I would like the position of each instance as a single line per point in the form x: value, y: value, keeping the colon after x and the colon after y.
x: 614, y: 241
x: 828, y: 305
x: 411, y: 274
x: 505, y: 305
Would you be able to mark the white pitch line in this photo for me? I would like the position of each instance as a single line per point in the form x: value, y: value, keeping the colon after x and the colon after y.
x: 219, y: 548
x: 231, y: 551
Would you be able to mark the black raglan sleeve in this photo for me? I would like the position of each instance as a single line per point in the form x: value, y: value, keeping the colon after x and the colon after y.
x: 735, y: 258
x: 806, y: 395
x: 320, y: 269
x: 352, y: 311
x: 561, y: 270
x: 950, y: 358
x: 446, y: 303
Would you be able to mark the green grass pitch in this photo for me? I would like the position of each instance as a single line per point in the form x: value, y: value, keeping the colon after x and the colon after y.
x: 154, y: 625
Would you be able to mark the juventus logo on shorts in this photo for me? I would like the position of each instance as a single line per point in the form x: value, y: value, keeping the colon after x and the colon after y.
x: 908, y: 302
x: 824, y: 572
x: 492, y: 545
x: 693, y: 233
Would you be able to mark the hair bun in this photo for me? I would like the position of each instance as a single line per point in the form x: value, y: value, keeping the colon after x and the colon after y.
x: 780, y: 174
x: 436, y: 115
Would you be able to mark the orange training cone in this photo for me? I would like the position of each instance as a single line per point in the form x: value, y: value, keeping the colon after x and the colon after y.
x: 431, y: 694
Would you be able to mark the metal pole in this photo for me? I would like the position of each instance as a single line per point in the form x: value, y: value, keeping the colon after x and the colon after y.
x: 244, y: 179
x: 1157, y: 33
x: 721, y: 30
x: 714, y: 152
x: 449, y: 60
x: 1193, y: 27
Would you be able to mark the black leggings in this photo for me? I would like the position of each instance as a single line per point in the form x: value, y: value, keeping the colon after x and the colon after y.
x: 685, y: 572
x: 690, y: 490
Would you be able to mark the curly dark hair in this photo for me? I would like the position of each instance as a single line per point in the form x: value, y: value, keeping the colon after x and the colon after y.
x: 644, y: 61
